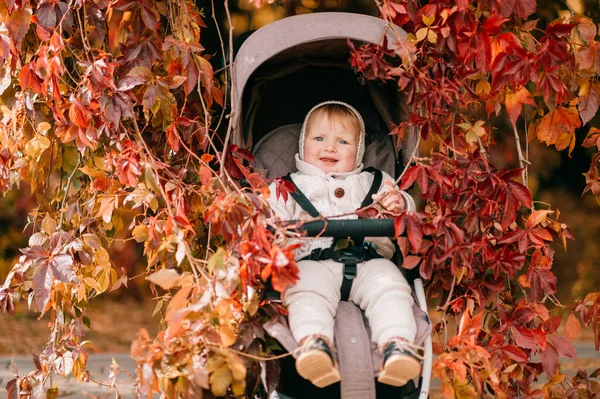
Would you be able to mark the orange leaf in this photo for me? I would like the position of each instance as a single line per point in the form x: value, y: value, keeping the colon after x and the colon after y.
x: 536, y: 218
x: 205, y: 174
x: 572, y: 327
x: 558, y: 128
x: 514, y: 103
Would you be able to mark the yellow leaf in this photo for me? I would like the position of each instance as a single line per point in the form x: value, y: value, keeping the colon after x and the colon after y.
x: 236, y: 365
x: 227, y: 335
x: 428, y: 20
x: 217, y: 260
x: 432, y: 36
x: 43, y: 127
x: 220, y: 381
x: 92, y: 283
x: 238, y: 387
x: 558, y: 128
x: 140, y: 233
x: 36, y: 146
x: 52, y: 393
x: 421, y: 34
x: 92, y: 172
x: 48, y: 225
x: 483, y: 88
x: 165, y: 278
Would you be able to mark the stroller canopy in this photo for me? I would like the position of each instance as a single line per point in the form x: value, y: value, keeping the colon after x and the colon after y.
x: 286, y: 67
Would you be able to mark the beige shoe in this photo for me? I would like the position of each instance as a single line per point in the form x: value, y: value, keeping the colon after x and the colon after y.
x: 316, y: 362
x: 401, y: 362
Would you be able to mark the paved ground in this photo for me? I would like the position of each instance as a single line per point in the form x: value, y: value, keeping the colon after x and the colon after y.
x: 98, y: 366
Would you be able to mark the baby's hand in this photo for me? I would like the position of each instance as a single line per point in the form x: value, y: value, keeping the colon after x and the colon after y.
x: 391, y: 200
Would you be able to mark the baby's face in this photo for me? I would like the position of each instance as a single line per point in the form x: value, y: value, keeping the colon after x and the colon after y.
x: 330, y: 146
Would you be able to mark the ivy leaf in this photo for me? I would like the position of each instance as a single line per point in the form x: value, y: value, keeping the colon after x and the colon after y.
x: 220, y: 380
x: 62, y: 268
x: 165, y: 278
x: 524, y: 8
x: 588, y: 100
x: 572, y: 327
x: 18, y: 24
x: 411, y: 261
x: 514, y: 103
x: 558, y: 128
x: 137, y: 76
x: 473, y: 131
x: 587, y: 29
x: 42, y: 284
x: 493, y: 24
x: 537, y: 217
x: 592, y: 138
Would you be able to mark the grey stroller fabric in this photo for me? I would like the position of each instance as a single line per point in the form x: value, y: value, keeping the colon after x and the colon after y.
x: 359, y: 358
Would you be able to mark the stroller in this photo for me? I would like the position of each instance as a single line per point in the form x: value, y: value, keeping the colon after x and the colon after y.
x: 280, y: 72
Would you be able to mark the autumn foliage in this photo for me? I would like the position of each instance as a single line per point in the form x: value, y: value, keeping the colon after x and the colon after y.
x: 112, y: 113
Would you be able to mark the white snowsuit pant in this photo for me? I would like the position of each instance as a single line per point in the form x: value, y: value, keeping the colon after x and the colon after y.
x: 379, y: 289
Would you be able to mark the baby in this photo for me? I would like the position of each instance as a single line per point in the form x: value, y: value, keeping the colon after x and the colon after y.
x: 331, y: 177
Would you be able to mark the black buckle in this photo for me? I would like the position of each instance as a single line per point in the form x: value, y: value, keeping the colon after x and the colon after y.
x: 315, y: 254
x: 351, y: 255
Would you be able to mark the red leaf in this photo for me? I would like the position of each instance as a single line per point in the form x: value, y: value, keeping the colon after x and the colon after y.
x: 542, y: 234
x: 282, y: 188
x: 514, y: 103
x: 46, y: 16
x: 549, y: 359
x: 409, y: 177
x: 411, y: 261
x: 521, y: 192
x: 415, y: 234
x: 173, y: 137
x: 563, y: 346
x: 515, y: 353
x: 493, y: 24
x: 524, y: 8
x: 150, y: 17
x: 524, y: 337
x: 137, y: 76
x: 513, y: 236
x: 510, y: 211
x: 552, y: 324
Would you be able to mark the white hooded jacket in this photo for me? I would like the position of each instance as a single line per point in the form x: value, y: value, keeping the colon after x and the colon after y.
x: 332, y: 194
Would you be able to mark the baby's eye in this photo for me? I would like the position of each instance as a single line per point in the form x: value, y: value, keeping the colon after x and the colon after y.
x: 343, y: 142
x: 319, y: 138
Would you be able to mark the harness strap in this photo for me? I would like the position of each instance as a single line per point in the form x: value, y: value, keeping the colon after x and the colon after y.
x: 377, y: 179
x: 301, y: 199
x: 350, y: 257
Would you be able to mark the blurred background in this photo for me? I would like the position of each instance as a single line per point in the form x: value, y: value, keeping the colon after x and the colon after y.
x: 554, y: 178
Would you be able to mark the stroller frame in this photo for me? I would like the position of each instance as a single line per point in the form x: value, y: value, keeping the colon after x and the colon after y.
x: 273, y: 41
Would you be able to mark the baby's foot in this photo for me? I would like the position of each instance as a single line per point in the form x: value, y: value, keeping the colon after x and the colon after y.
x: 401, y: 362
x: 316, y: 361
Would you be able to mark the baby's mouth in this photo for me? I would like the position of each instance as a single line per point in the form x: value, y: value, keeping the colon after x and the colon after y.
x: 328, y: 160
